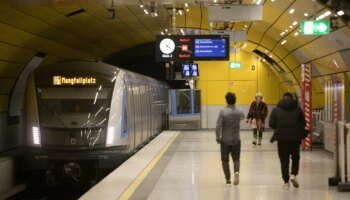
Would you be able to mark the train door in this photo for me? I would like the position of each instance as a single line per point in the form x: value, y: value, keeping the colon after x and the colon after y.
x: 130, y: 112
x: 143, y: 111
x: 138, y: 113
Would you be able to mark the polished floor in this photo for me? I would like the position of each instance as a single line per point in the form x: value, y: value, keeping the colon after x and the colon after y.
x: 193, y: 171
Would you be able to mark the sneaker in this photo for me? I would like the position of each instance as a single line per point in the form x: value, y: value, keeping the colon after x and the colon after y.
x: 294, y: 181
x: 259, y: 143
x: 236, y: 181
x: 286, y: 186
x: 254, y: 142
x: 228, y: 183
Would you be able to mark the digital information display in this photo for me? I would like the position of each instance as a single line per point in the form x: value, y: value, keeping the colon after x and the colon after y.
x: 210, y: 48
x: 192, y: 47
x: 190, y: 70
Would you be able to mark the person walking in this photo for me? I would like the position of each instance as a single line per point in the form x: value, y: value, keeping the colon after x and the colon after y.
x: 228, y: 136
x: 289, y: 122
x: 256, y: 116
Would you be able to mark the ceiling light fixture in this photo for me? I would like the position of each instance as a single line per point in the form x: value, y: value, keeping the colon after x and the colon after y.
x: 286, y: 30
x: 296, y: 33
x: 295, y: 23
x: 215, y: 1
x: 340, y: 13
x: 182, y: 31
x: 145, y: 11
x: 306, y: 14
x: 283, y: 42
x: 141, y: 6
x: 188, y: 10
x: 327, y: 13
x: 258, y: 2
x: 186, y: 5
x: 180, y: 12
x: 162, y: 32
x: 290, y: 26
x: 166, y: 30
x: 244, y: 46
x: 282, y: 34
x: 291, y: 11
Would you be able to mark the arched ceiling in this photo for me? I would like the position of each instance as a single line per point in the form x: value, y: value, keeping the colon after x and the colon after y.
x: 50, y: 26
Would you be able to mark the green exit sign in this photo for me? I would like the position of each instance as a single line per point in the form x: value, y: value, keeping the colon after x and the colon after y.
x: 235, y: 65
x: 315, y: 27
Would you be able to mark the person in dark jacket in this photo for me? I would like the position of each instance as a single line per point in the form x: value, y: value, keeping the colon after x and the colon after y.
x: 227, y: 135
x: 288, y: 121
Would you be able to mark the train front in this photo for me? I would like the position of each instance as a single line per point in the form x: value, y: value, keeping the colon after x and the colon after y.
x: 69, y: 111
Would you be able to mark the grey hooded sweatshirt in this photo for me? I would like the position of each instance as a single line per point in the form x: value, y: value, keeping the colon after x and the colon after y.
x: 228, y: 125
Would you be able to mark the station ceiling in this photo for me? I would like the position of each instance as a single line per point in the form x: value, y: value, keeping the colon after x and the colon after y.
x: 80, y: 29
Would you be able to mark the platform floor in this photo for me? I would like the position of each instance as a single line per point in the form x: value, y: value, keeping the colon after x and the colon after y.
x: 191, y: 169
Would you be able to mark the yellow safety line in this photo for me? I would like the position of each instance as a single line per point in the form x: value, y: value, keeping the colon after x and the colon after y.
x: 135, y: 184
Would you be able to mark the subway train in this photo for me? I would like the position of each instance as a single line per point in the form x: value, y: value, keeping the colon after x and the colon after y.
x: 86, y: 117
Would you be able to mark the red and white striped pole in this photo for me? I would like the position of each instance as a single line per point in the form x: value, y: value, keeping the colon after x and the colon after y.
x: 307, y: 103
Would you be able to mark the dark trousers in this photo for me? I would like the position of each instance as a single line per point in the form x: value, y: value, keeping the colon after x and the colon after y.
x: 235, y: 151
x: 255, y: 133
x: 287, y: 150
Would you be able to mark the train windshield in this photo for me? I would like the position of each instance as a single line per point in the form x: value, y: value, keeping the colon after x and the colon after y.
x: 74, y: 107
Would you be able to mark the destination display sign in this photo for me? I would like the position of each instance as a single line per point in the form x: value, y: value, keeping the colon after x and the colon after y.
x: 61, y: 80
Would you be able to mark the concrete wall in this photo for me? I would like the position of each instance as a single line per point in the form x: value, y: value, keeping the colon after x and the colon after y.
x: 6, y: 174
x: 10, y: 136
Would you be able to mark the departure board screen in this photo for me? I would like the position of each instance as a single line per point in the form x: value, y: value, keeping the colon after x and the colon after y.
x: 210, y: 48
x: 192, y: 47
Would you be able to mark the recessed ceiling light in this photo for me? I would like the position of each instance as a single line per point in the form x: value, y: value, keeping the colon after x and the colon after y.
x: 186, y: 5
x: 166, y: 30
x: 327, y: 13
x: 306, y: 14
x: 244, y: 46
x: 291, y: 11
x: 258, y: 2
x: 245, y: 25
x: 180, y: 12
x: 145, y: 11
x: 296, y: 33
x: 295, y: 23
x: 169, y: 34
x: 286, y: 30
x: 215, y: 1
x: 162, y: 33
x: 291, y: 26
x: 156, y: 14
x: 283, y: 42
x: 188, y: 10
x: 273, y: 0
x: 270, y: 56
x: 182, y: 31
x: 141, y: 6
x: 340, y: 13
x: 283, y: 33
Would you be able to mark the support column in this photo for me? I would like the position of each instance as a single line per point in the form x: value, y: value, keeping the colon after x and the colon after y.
x: 307, y: 103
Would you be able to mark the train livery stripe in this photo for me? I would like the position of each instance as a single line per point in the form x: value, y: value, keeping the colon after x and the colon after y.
x: 138, y: 180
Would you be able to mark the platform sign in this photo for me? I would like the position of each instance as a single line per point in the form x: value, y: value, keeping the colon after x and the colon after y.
x: 307, y: 103
x: 235, y: 65
x: 315, y: 27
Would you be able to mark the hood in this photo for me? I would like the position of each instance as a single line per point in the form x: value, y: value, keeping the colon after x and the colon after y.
x: 287, y: 104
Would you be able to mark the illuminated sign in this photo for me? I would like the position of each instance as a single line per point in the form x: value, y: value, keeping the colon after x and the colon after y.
x: 315, y: 27
x: 61, y: 80
x: 235, y: 65
x: 192, y: 47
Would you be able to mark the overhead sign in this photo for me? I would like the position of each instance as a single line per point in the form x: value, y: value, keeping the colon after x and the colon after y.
x: 192, y: 47
x: 315, y: 27
x: 60, y: 80
x: 235, y: 65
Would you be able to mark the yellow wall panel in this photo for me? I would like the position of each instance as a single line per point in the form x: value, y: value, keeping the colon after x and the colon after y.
x: 203, y: 86
x: 216, y: 91
x: 268, y: 84
x: 245, y: 91
x: 6, y: 85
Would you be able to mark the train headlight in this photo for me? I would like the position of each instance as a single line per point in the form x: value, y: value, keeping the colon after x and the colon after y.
x: 110, y: 135
x: 36, y: 135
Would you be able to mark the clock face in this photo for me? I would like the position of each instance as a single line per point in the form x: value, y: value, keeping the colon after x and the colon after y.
x: 167, y: 46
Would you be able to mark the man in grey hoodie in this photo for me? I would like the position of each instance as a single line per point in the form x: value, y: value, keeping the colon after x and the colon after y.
x: 228, y: 136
